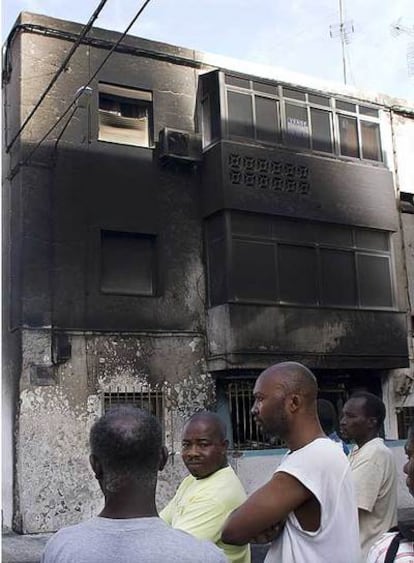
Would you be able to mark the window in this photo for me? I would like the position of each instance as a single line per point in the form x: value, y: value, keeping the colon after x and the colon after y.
x: 265, y: 259
x: 125, y: 116
x: 405, y: 418
x: 127, y: 263
x: 274, y: 114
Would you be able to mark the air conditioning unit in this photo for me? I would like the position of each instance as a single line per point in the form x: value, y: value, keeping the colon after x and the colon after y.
x: 179, y: 145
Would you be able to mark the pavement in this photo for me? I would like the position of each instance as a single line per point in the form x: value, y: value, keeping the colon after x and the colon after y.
x: 27, y: 548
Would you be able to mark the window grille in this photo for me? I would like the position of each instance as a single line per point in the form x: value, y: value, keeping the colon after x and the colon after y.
x: 405, y: 418
x: 246, y: 433
x: 146, y: 399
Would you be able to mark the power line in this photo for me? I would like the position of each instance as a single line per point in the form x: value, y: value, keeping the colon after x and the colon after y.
x: 62, y: 68
x: 83, y: 88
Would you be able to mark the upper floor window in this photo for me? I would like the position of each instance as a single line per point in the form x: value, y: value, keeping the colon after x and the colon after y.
x: 125, y: 115
x: 261, y: 259
x: 269, y: 113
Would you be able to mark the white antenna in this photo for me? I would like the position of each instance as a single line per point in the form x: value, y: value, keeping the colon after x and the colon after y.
x: 342, y: 30
x: 397, y: 29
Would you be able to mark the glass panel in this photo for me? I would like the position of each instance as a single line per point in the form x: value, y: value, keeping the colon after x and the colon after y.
x: 206, y: 121
x: 368, y: 111
x: 338, y: 278
x: 266, y: 88
x: 216, y: 226
x: 374, y: 279
x: 295, y: 94
x: 127, y: 263
x: 254, y: 271
x: 371, y: 144
x: 320, y: 100
x: 267, y: 120
x: 346, y: 106
x: 240, y: 114
x: 377, y: 240
x: 236, y: 81
x: 348, y: 136
x: 250, y: 224
x: 297, y: 274
x: 297, y: 126
x: 336, y: 235
x: 321, y: 130
x: 294, y: 231
x: 217, y: 272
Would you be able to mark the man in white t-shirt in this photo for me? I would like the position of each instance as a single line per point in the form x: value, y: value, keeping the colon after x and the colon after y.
x: 373, y: 467
x: 311, y: 495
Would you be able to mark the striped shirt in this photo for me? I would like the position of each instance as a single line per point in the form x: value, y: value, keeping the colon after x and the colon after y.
x: 378, y: 551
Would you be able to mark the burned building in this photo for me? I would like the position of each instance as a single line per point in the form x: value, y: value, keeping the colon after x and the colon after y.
x: 189, y: 221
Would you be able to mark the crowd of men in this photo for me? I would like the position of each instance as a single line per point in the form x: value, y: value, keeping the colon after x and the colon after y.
x: 319, y: 505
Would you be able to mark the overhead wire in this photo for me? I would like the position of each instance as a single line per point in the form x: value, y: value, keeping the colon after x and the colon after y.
x: 69, y: 107
x: 61, y: 69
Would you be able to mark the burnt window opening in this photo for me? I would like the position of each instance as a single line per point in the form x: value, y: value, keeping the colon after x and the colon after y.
x: 128, y: 263
x: 125, y: 116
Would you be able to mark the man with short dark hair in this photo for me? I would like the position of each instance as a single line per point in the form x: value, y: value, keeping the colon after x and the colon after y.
x: 310, y: 496
x: 208, y: 495
x: 328, y: 419
x: 126, y: 454
x: 373, y: 467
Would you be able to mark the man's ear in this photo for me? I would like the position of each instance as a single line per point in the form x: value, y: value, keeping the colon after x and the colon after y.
x: 295, y: 401
x: 96, y: 466
x: 163, y: 458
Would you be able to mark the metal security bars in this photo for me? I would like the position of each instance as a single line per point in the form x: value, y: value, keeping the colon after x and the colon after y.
x: 246, y: 433
x: 152, y: 400
x: 405, y: 418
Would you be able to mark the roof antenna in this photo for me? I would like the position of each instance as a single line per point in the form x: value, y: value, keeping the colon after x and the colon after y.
x: 342, y: 30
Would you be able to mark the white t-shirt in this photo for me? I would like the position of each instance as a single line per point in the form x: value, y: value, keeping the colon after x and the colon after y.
x: 378, y: 551
x: 323, y: 469
x: 375, y: 479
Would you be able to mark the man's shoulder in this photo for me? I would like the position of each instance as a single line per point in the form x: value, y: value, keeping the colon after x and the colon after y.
x: 205, y: 550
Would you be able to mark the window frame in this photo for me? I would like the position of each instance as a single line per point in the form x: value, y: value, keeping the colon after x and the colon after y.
x: 140, y: 96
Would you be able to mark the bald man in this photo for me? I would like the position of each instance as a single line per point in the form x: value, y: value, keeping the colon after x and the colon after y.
x: 310, y: 496
x: 212, y: 491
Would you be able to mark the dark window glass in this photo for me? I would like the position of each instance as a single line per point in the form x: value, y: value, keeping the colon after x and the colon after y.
x: 294, y: 231
x: 320, y: 100
x: 240, y: 114
x: 266, y: 88
x: 236, y: 81
x: 217, y: 271
x: 297, y: 126
x: 374, y: 280
x: 321, y: 130
x: 371, y: 146
x: 297, y: 274
x: 250, y: 224
x: 125, y: 121
x: 216, y: 226
x: 368, y: 111
x: 127, y: 263
x: 348, y: 136
x: 336, y: 235
x: 376, y: 240
x: 346, y: 106
x: 254, y: 271
x: 338, y: 278
x: 295, y: 94
x: 267, y: 120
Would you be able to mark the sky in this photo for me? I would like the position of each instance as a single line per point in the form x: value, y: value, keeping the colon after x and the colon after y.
x: 294, y: 35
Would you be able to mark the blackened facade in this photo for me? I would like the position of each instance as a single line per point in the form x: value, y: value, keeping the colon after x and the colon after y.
x: 183, y: 228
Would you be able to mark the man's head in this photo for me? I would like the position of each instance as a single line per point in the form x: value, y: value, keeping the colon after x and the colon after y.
x: 204, y: 444
x: 327, y: 416
x: 409, y: 466
x: 281, y: 393
x: 126, y: 446
x: 362, y: 417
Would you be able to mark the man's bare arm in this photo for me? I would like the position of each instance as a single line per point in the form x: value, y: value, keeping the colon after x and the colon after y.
x: 266, y: 507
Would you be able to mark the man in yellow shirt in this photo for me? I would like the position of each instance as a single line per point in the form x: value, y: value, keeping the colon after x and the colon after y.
x: 212, y: 491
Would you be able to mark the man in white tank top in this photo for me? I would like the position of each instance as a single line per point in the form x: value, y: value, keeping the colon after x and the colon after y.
x: 311, y: 495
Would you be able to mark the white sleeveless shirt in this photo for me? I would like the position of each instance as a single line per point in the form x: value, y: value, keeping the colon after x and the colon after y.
x: 323, y: 469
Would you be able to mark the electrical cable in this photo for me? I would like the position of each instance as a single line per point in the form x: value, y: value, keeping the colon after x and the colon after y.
x: 62, y: 67
x: 122, y: 37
